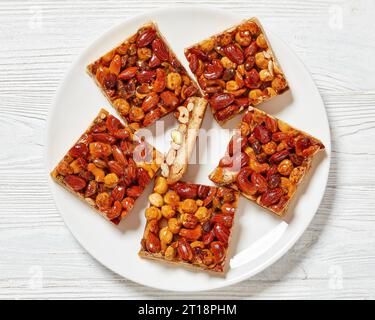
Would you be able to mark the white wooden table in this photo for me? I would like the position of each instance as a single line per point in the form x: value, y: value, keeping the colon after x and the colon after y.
x: 39, y: 258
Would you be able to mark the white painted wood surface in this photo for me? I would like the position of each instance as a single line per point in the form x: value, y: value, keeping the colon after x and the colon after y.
x: 39, y: 258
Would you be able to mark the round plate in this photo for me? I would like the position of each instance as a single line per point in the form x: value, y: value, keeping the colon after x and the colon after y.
x: 259, y: 237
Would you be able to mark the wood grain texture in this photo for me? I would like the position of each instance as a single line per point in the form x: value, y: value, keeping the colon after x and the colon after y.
x: 39, y: 258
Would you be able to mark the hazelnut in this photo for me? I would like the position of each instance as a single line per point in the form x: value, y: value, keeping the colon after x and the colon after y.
x: 285, y: 167
x: 232, y: 85
x: 136, y: 114
x: 174, y: 225
x: 103, y: 200
x: 227, y: 63
x: 153, y: 213
x: 297, y: 174
x: 269, y: 92
x: 144, y: 53
x: 122, y: 106
x: 165, y: 235
x: 279, y: 83
x: 171, y: 197
x: 111, y: 180
x: 161, y: 185
x: 270, y: 148
x: 199, y: 202
x: 207, y: 45
x: 170, y: 253
x: 189, y: 206
x: 167, y: 211
x: 265, y: 75
x: 261, y: 61
x: 202, y: 214
x: 243, y: 38
x: 256, y: 96
x: 156, y: 199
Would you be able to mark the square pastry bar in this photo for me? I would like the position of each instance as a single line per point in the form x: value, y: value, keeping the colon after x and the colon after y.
x: 142, y: 78
x: 108, y: 167
x: 189, y: 225
x: 266, y: 160
x: 235, y: 68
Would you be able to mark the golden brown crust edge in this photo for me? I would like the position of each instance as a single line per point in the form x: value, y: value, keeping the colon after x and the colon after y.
x: 157, y: 257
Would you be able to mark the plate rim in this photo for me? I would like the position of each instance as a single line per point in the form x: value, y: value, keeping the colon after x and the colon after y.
x: 147, y: 14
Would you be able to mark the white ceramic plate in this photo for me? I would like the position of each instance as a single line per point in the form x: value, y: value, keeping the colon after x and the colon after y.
x: 259, y: 237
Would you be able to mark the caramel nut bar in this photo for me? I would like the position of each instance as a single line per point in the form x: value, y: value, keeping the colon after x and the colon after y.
x: 189, y: 225
x: 236, y: 68
x: 266, y: 160
x: 107, y: 167
x: 142, y: 78
x: 190, y: 117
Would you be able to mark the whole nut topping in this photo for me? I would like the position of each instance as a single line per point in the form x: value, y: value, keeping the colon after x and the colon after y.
x: 100, y: 168
x: 145, y: 37
x: 273, y: 158
x: 143, y: 69
x: 193, y: 225
x: 238, y: 64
